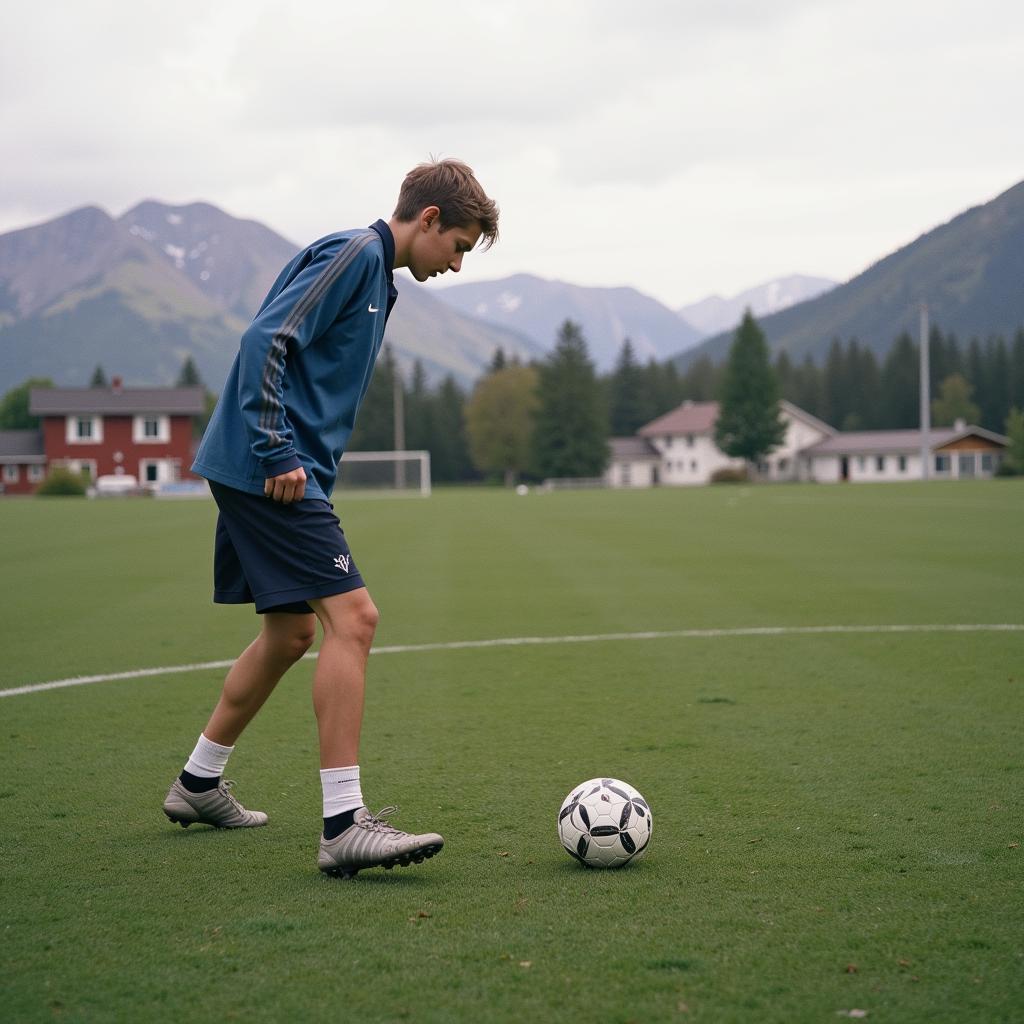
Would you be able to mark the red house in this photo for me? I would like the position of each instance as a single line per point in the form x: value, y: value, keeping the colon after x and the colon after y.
x: 145, y: 433
x: 22, y: 461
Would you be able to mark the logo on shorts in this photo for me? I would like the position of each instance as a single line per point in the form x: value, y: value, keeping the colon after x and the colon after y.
x: 342, y: 562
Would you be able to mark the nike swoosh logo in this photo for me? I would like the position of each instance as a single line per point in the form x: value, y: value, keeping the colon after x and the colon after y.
x: 372, y: 308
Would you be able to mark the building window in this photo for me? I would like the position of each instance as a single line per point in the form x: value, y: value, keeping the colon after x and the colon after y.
x: 36, y: 474
x: 880, y: 463
x: 965, y: 464
x: 625, y: 474
x: 693, y: 465
x: 689, y: 440
x: 987, y: 464
x: 902, y: 463
x: 84, y: 429
x: 151, y: 429
x: 861, y: 462
x: 11, y: 474
x: 941, y: 463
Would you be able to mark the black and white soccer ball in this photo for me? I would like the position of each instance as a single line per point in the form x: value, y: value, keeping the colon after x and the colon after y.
x: 605, y: 823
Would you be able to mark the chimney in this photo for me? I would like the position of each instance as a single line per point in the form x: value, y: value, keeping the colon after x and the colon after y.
x: 115, y: 385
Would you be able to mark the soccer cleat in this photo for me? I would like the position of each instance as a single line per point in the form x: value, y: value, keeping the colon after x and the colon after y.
x: 217, y: 807
x: 371, y: 842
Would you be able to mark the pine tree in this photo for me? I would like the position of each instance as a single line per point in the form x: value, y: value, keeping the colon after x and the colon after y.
x: 627, y: 403
x: 498, y: 360
x: 1014, y: 459
x: 835, y: 394
x: 785, y: 374
x: 188, y: 377
x: 861, y: 387
x: 571, y: 427
x: 749, y: 425
x: 1017, y: 371
x: 98, y: 378
x: 449, y: 444
x: 995, y: 392
x: 375, y: 423
x: 700, y: 384
x: 900, y: 385
x: 807, y: 388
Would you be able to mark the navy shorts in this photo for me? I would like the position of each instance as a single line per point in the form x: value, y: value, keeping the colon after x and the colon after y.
x: 278, y: 556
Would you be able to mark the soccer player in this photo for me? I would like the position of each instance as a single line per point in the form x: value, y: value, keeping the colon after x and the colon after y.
x: 270, y: 454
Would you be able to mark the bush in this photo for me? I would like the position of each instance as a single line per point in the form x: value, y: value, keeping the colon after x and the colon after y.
x: 1006, y: 468
x: 63, y: 482
x: 729, y: 476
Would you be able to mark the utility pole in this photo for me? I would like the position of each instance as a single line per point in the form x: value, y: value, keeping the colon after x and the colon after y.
x: 926, y: 406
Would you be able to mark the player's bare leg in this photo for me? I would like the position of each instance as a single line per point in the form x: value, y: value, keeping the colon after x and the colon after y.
x: 353, y: 839
x: 349, y: 622
x: 282, y: 641
x: 199, y: 795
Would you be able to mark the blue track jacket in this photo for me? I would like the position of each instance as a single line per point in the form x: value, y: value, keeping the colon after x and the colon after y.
x: 303, y: 366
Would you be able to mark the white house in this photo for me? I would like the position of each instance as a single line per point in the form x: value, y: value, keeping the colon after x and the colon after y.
x: 685, y: 442
x: 955, y: 453
x: 635, y: 462
x: 679, y: 448
x: 802, y: 432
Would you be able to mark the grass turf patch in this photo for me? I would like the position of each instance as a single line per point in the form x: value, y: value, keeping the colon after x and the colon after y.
x: 837, y: 817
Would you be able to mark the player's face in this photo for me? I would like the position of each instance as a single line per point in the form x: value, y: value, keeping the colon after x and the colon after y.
x: 435, y: 251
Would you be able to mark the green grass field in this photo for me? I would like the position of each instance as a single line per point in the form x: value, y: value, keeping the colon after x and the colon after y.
x: 838, y: 816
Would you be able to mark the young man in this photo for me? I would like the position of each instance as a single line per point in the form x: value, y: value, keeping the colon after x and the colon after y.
x: 271, y: 455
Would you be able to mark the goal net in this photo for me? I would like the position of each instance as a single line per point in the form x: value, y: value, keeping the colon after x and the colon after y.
x: 385, y: 473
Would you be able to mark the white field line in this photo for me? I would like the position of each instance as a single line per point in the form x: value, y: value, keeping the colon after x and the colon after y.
x: 525, y: 641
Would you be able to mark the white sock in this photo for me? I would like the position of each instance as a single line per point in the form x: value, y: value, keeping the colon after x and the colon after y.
x: 209, y: 759
x: 342, y: 791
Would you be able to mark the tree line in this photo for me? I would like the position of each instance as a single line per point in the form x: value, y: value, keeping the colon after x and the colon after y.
x: 553, y: 417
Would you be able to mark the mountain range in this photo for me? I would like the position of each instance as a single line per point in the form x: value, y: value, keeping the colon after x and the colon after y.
x: 537, y: 308
x: 715, y: 314
x: 139, y: 293
x: 969, y: 271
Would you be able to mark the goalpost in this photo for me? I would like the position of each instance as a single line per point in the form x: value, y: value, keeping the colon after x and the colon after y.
x: 385, y: 473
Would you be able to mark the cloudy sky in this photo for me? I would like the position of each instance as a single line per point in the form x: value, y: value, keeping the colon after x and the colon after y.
x: 684, y: 148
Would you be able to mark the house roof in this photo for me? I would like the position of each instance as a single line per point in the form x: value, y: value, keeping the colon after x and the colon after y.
x: 632, y: 449
x: 688, y: 418
x: 21, y: 446
x: 116, y: 401
x: 883, y: 442
x: 794, y: 412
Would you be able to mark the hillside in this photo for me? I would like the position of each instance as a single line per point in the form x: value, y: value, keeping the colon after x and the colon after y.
x: 537, y: 308
x: 970, y: 271
x: 139, y: 293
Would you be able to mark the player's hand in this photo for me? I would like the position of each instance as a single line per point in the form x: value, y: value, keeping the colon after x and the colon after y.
x: 287, y: 487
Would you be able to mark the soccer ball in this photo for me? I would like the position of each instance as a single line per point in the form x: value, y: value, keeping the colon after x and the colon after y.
x: 605, y: 823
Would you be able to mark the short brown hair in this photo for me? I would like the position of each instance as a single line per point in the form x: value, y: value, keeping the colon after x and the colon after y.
x: 451, y: 186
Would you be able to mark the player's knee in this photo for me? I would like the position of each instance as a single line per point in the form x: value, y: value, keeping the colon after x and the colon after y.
x: 292, y: 643
x: 364, y: 619
x: 300, y: 642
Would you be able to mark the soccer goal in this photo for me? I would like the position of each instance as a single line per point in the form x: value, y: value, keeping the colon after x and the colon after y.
x: 385, y: 473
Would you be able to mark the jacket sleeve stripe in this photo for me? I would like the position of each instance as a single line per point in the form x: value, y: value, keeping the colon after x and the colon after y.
x: 273, y: 370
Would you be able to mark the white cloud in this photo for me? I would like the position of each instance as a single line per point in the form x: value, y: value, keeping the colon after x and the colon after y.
x: 681, y: 148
